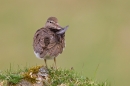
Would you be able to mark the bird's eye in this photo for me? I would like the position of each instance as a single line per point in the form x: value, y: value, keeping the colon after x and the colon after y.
x: 50, y: 21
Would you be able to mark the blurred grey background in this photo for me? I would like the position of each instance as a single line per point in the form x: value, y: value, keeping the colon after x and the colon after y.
x: 97, y: 41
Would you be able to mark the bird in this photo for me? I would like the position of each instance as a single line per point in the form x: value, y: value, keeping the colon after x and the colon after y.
x: 49, y: 40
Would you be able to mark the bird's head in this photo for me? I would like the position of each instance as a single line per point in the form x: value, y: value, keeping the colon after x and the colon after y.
x: 52, y: 22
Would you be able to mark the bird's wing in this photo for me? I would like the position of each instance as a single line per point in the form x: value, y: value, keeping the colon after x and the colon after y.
x: 43, y: 40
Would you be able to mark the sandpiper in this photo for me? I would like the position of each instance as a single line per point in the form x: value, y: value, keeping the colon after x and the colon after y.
x: 49, y: 41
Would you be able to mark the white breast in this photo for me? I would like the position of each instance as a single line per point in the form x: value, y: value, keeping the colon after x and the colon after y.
x: 37, y: 55
x: 45, y: 57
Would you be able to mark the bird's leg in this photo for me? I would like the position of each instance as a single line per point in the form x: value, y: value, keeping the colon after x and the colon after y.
x: 55, y: 63
x: 45, y: 62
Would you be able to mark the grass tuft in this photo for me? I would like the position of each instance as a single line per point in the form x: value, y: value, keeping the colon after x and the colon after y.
x: 12, y: 78
x: 69, y: 77
x: 56, y: 77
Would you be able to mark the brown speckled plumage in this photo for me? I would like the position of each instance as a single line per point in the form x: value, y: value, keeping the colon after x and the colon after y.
x: 47, y: 44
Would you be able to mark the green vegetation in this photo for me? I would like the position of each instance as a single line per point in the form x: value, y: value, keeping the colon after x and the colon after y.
x: 11, y: 77
x: 70, y: 78
x: 56, y: 77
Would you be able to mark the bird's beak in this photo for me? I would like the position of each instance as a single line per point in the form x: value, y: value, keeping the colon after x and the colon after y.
x: 62, y: 30
x: 58, y: 27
